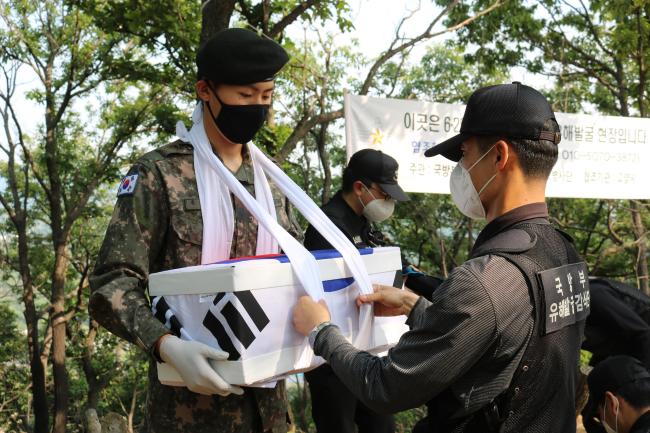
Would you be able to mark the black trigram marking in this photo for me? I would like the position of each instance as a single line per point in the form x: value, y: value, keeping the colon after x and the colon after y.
x: 161, y: 310
x: 236, y: 322
x: 213, y: 325
x: 398, y: 281
x: 218, y: 298
x: 253, y: 308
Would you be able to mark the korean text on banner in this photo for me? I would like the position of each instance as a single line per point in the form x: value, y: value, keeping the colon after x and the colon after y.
x: 599, y: 156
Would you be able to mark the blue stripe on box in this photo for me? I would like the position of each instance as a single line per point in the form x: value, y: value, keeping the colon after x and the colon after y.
x: 318, y: 254
x: 328, y: 285
x: 338, y: 284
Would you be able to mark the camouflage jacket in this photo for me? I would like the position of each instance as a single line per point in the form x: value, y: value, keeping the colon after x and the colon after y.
x: 158, y: 226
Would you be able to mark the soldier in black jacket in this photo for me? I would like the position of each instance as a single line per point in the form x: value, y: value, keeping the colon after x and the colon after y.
x: 619, y: 395
x: 497, y: 348
x: 619, y: 323
x: 368, y: 195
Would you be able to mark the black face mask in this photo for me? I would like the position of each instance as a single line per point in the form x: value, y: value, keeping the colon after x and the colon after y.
x: 239, y: 123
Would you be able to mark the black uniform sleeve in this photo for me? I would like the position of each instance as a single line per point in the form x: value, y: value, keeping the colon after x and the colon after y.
x: 622, y: 323
x: 423, y: 285
x: 315, y: 241
x: 446, y: 338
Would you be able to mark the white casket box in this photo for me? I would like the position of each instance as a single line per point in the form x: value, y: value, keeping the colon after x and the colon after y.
x: 244, y: 307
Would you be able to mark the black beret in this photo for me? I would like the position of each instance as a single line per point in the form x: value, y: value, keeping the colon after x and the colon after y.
x: 239, y: 56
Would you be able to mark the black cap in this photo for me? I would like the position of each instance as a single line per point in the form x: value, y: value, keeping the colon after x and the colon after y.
x: 239, y: 56
x: 611, y: 375
x: 506, y: 110
x: 376, y: 166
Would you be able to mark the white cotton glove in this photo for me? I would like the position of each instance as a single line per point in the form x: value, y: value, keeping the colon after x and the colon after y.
x: 191, y: 360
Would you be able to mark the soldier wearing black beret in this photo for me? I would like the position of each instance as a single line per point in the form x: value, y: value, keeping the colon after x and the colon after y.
x: 158, y: 225
x: 236, y: 69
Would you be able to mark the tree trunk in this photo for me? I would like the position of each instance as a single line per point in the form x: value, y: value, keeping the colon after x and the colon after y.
x: 323, y: 155
x: 95, y: 383
x: 59, y: 372
x: 642, y: 248
x: 215, y: 17
x: 41, y: 415
x: 470, y: 236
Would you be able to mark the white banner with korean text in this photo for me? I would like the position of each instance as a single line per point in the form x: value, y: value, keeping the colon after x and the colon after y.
x: 599, y: 156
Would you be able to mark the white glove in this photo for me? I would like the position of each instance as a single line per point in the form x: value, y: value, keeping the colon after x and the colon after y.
x: 191, y: 360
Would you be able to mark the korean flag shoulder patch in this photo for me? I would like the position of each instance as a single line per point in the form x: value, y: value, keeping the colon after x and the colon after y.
x: 127, y: 186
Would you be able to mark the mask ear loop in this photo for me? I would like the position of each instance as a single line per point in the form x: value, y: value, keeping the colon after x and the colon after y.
x: 479, y: 160
x: 482, y: 156
x: 369, y: 192
x: 487, y: 183
x: 214, y: 118
x: 207, y: 103
x: 604, y: 421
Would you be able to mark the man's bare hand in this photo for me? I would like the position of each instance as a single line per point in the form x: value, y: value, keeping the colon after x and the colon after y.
x: 389, y: 301
x: 307, y: 314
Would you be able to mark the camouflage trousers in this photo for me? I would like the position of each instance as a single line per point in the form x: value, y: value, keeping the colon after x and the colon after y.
x: 176, y: 409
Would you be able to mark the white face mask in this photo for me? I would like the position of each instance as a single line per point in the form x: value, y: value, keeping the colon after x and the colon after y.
x: 463, y: 192
x: 378, y: 209
x: 608, y: 429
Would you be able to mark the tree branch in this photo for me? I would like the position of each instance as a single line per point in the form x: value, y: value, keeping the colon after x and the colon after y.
x: 302, y: 128
x: 279, y: 27
x: 309, y: 121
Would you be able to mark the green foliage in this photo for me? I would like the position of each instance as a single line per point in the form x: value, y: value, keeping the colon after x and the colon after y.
x: 596, y: 55
x: 598, y: 48
x: 122, y: 74
x: 167, y: 30
x: 443, y: 75
x: 14, y: 371
x: 265, y: 15
x: 406, y: 420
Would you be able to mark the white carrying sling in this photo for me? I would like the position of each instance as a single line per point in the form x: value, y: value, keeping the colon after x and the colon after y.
x: 214, y: 190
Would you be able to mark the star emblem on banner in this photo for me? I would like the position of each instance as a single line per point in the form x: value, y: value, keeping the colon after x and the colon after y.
x: 376, y: 136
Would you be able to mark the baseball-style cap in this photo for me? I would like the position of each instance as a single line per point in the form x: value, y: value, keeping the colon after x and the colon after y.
x: 506, y: 110
x: 376, y: 166
x: 240, y: 56
x: 611, y: 375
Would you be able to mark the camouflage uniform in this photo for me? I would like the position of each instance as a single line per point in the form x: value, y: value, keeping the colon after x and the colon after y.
x: 159, y: 227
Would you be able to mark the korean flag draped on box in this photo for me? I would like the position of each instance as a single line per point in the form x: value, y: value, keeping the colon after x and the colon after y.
x: 245, y: 310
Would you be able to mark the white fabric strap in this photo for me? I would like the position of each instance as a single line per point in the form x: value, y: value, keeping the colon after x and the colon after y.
x: 214, y: 181
x: 330, y: 232
x: 216, y: 204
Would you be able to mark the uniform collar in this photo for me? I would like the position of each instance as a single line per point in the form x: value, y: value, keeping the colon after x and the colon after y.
x: 510, y: 218
x: 244, y: 173
x: 356, y: 223
x: 642, y: 424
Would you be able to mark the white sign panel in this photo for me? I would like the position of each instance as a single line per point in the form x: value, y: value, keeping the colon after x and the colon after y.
x: 599, y: 156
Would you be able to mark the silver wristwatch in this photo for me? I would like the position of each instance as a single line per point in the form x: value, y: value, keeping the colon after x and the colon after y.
x: 314, y: 332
